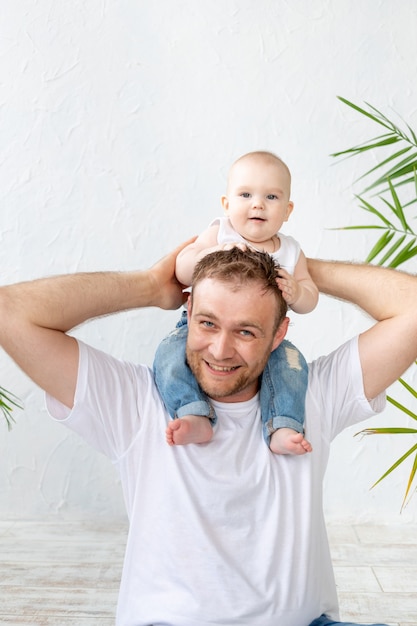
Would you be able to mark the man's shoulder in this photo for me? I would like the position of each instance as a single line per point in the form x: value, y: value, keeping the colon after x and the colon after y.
x: 347, y: 353
x: 96, y: 364
x: 335, y: 394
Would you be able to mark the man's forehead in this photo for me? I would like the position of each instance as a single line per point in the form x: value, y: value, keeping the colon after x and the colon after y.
x: 214, y: 284
x: 244, y: 306
x: 219, y: 291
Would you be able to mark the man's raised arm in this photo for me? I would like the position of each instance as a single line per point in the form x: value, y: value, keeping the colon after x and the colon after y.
x: 35, y: 316
x: 390, y: 297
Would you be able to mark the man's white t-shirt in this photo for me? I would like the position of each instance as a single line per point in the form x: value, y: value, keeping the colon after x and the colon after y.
x: 224, y: 533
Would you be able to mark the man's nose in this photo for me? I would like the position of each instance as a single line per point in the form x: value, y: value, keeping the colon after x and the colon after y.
x: 221, y: 347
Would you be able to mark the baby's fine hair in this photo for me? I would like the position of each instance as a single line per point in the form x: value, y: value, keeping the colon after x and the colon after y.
x: 267, y: 156
x: 239, y: 268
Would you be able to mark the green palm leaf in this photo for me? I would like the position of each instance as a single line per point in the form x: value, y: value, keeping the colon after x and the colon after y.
x: 399, y: 171
x: 389, y: 430
x: 378, y: 142
x: 410, y: 481
x: 401, y: 183
x: 397, y: 208
x: 387, y: 161
x: 8, y: 401
x: 400, y: 167
x: 409, y: 389
x: 367, y: 206
x: 378, y: 120
x: 391, y: 251
x: 396, y: 431
x: 382, y: 242
x: 395, y: 465
x: 397, y: 192
x: 408, y: 252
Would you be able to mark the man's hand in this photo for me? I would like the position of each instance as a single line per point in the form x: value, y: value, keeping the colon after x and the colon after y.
x: 168, y: 292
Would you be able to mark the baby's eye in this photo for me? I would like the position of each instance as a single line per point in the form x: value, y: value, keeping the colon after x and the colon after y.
x: 245, y: 194
x: 272, y: 196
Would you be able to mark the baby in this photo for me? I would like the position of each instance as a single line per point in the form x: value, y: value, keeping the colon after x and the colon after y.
x: 256, y: 204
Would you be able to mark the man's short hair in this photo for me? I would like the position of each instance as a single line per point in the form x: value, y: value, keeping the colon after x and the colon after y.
x: 238, y: 268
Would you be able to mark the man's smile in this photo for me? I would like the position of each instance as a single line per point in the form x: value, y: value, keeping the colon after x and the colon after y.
x: 222, y: 368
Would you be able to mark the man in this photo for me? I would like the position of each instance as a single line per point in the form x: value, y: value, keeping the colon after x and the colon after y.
x: 223, y: 533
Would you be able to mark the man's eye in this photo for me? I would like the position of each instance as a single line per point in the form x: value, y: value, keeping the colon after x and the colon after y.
x: 247, y: 333
x: 207, y: 324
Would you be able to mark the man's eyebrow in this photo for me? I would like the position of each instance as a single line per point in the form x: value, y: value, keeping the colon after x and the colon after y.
x: 248, y: 323
x: 238, y: 324
x: 203, y: 313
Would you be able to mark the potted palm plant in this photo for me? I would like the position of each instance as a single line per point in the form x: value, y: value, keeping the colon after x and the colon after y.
x: 390, y: 192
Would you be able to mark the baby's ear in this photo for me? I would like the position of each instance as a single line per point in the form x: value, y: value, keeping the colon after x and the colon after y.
x: 225, y: 203
x: 290, y: 208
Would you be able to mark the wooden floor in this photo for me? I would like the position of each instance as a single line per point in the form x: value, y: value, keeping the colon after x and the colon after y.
x: 68, y: 574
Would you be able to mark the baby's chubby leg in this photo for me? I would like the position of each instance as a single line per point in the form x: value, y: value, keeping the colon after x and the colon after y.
x: 189, y: 429
x: 289, y: 441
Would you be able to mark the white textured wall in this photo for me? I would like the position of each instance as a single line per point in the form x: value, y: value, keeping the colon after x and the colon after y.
x: 119, y: 120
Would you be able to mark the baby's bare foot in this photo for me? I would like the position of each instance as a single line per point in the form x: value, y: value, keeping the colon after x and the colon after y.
x: 288, y: 441
x: 189, y: 429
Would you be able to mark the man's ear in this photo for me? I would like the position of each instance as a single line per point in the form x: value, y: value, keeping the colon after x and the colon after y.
x: 189, y: 307
x: 280, y: 333
x: 225, y: 203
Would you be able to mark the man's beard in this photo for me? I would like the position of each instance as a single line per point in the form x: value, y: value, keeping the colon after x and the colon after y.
x: 218, y: 390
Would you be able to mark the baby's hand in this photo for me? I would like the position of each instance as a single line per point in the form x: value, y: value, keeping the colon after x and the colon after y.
x: 290, y: 288
x: 229, y: 246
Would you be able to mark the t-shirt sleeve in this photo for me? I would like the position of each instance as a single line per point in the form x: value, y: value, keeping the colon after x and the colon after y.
x: 110, y: 400
x: 337, y: 384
